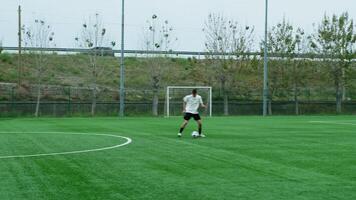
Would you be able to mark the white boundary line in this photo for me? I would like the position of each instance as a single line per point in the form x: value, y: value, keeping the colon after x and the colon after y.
x: 330, y: 122
x: 128, y: 141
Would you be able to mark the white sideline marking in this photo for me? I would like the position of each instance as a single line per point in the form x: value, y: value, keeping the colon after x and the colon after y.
x: 330, y: 122
x: 128, y: 141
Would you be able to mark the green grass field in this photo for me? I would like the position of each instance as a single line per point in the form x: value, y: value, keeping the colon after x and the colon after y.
x: 242, y: 158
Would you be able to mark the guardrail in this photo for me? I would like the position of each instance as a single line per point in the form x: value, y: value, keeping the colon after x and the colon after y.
x: 177, y: 53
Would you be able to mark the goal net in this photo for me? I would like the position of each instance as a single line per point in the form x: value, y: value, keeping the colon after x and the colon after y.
x: 175, y: 95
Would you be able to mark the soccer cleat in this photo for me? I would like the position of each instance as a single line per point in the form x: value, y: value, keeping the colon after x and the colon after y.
x: 202, y: 136
x: 179, y: 134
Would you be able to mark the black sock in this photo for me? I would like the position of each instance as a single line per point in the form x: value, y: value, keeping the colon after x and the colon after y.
x: 181, y: 130
x: 200, y: 131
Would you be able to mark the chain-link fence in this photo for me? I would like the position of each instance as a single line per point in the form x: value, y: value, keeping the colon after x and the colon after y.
x: 72, y: 101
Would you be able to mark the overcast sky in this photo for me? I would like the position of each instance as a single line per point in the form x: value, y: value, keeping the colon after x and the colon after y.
x: 186, y: 16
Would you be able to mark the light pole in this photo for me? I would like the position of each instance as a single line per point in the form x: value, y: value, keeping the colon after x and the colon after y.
x: 122, y: 63
x: 20, y: 44
x: 265, y: 66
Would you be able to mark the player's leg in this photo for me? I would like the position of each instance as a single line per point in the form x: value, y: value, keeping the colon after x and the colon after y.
x: 187, y: 117
x: 182, y: 127
x: 200, y: 125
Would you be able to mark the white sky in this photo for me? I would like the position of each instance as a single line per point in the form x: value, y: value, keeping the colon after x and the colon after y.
x: 186, y: 16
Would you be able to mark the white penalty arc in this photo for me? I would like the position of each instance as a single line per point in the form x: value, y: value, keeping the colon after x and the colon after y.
x: 128, y: 141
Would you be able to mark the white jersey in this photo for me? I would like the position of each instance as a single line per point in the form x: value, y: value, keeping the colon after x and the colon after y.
x: 192, y: 103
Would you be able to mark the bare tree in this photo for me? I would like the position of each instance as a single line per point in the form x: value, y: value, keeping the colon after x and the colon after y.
x: 93, y: 37
x: 227, y: 42
x: 157, y: 37
x: 242, y: 44
x: 335, y: 38
x: 40, y: 35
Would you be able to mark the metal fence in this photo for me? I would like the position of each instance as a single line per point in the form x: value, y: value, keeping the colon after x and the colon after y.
x: 71, y: 101
x: 61, y: 109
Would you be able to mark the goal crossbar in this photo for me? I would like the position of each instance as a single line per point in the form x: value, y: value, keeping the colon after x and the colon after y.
x: 188, y: 87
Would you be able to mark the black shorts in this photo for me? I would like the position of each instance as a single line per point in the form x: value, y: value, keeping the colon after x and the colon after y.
x: 187, y: 116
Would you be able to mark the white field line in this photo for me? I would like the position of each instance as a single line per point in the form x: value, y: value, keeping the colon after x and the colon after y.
x: 331, y: 122
x: 128, y: 141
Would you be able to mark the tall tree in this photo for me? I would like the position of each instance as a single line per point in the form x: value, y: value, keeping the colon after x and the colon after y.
x: 280, y: 41
x: 335, y: 38
x: 39, y: 36
x: 300, y: 72
x: 242, y: 45
x: 93, y: 37
x: 286, y: 72
x: 226, y: 42
x: 157, y: 37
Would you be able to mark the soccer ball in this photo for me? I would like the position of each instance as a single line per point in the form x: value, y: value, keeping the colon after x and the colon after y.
x: 195, y: 134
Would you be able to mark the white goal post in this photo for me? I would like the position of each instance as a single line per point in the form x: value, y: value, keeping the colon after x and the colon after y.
x: 207, y: 101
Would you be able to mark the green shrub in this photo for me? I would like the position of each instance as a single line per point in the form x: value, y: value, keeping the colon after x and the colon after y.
x: 6, y: 58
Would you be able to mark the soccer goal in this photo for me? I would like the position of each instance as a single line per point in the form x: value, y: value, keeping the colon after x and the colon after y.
x: 175, y: 95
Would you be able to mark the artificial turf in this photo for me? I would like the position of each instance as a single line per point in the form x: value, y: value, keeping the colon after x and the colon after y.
x: 241, y: 158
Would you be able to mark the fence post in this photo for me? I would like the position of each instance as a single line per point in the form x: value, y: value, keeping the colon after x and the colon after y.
x: 69, y: 101
x: 12, y: 100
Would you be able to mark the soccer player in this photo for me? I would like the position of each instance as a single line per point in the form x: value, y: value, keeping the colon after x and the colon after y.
x: 191, y: 103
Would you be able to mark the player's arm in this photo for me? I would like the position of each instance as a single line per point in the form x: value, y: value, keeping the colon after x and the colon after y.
x: 184, y: 104
x: 202, y: 104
